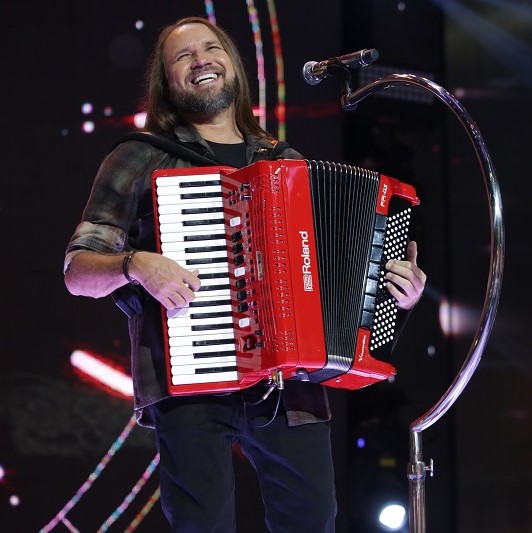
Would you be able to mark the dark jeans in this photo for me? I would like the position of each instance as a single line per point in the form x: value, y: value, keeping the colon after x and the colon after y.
x: 195, y: 437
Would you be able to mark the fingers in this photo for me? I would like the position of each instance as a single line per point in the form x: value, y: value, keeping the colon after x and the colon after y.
x: 167, y: 281
x: 406, y: 281
x: 411, y: 252
x: 181, y: 291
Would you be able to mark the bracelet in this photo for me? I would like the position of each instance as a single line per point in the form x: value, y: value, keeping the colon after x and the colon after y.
x: 125, y: 268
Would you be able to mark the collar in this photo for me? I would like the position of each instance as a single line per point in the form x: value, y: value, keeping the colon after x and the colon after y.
x: 188, y: 134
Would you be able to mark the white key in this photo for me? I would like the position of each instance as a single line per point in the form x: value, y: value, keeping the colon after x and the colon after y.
x: 181, y: 331
x: 199, y: 336
x: 211, y: 377
x: 171, y: 209
x: 187, y: 311
x: 194, y: 230
x: 190, y: 360
x: 181, y: 246
x: 189, y: 349
x: 170, y: 181
x: 188, y: 321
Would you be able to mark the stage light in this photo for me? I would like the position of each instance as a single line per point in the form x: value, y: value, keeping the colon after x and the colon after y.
x: 2, y: 473
x: 139, y: 24
x: 102, y: 372
x: 14, y: 500
x: 88, y: 126
x: 87, y: 108
x: 392, y: 516
x: 139, y: 119
x: 456, y: 319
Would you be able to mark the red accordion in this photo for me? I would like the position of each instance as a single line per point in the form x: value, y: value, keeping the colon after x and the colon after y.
x: 291, y: 257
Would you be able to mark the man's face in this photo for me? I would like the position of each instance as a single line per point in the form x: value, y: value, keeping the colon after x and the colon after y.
x: 201, y: 77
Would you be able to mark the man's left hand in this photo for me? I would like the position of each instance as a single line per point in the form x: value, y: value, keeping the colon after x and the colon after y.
x: 406, y: 281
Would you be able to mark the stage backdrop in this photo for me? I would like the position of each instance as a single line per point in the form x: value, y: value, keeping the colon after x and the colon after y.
x: 72, y: 84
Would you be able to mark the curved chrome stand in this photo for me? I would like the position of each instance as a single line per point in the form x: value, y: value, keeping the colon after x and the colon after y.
x: 417, y: 469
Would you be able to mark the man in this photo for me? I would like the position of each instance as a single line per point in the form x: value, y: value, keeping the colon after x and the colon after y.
x: 199, y: 98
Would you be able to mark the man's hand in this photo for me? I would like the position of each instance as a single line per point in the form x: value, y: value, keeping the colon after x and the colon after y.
x: 164, y: 279
x: 406, y: 281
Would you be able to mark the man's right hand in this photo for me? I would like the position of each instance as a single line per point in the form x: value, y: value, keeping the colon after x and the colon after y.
x: 164, y: 279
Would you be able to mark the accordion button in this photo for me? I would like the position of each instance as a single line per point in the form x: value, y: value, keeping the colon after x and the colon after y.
x: 236, y: 236
x: 244, y: 322
x: 240, y: 272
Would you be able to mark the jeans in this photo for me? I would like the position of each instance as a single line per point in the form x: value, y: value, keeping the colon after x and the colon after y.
x: 195, y: 438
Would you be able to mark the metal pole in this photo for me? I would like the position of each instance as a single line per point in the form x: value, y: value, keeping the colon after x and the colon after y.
x: 417, y: 468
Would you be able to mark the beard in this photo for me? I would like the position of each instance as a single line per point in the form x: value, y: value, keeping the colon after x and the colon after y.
x: 206, y: 103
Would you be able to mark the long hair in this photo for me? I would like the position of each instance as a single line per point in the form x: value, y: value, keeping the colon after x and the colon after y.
x: 161, y: 114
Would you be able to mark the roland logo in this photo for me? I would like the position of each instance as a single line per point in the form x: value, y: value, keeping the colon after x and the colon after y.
x: 306, y: 264
x: 383, y: 195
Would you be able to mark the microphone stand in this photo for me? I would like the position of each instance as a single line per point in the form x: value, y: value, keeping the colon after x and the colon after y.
x: 417, y: 468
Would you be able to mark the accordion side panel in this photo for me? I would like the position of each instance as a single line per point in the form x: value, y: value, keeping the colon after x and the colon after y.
x: 280, y: 257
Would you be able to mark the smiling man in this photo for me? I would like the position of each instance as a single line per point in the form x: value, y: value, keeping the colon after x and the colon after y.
x: 199, y: 104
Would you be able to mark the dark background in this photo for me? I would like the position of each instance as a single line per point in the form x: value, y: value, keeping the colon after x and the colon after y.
x: 55, y: 426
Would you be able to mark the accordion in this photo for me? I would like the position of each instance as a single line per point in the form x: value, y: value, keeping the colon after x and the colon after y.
x: 291, y: 255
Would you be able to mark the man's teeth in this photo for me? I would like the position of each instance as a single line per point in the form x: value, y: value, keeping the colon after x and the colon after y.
x: 205, y: 78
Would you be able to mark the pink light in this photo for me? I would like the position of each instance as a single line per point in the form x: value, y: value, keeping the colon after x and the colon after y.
x: 456, y: 319
x: 139, y: 119
x: 88, y: 126
x: 102, y: 372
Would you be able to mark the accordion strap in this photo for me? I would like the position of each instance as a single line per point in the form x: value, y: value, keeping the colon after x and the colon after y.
x: 173, y: 146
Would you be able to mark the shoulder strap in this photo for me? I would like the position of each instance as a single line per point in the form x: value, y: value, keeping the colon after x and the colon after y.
x: 174, y: 147
x: 168, y: 145
x: 278, y: 149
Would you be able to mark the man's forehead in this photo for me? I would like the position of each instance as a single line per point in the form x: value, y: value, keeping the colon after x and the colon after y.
x: 191, y: 34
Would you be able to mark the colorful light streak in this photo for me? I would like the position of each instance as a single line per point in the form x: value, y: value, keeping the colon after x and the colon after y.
x: 280, y: 110
x: 100, y: 467
x: 103, y: 373
x: 259, y: 55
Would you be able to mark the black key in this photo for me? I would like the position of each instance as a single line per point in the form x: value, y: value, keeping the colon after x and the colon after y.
x: 187, y: 184
x: 205, y: 222
x: 202, y: 249
x: 213, y: 342
x: 201, y: 316
x: 206, y: 260
x: 209, y: 327
x: 199, y: 210
x: 208, y: 303
x: 206, y: 355
x: 207, y: 237
x: 215, y: 370
x: 214, y: 275
x: 214, y: 287
x: 193, y: 196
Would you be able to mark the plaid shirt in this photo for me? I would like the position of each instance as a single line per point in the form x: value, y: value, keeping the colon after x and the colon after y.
x: 119, y: 216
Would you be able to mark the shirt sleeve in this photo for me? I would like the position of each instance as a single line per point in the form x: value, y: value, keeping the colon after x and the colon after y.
x: 112, y: 206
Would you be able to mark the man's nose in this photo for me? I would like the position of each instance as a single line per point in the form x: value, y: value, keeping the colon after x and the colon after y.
x: 201, y: 59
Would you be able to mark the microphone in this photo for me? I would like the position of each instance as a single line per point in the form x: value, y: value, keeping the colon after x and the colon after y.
x: 314, y: 71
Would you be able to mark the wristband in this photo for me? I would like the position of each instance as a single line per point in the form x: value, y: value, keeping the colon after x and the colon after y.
x: 125, y: 268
